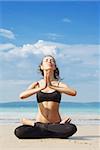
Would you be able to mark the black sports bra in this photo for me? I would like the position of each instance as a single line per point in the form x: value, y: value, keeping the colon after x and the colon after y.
x: 54, y: 96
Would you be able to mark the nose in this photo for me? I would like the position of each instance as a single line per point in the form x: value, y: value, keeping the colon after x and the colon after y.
x: 49, y: 61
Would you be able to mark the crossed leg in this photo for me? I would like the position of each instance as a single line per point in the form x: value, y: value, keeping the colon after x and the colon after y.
x: 30, y: 122
x: 26, y: 121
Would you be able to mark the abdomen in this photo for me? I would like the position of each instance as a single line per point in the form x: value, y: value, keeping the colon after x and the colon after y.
x: 48, y: 112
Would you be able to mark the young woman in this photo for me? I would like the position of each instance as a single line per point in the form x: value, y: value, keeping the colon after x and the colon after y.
x: 48, y: 92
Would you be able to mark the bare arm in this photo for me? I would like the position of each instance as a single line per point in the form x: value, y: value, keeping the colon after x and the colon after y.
x: 63, y: 88
x: 33, y: 85
x: 32, y: 89
x: 28, y: 93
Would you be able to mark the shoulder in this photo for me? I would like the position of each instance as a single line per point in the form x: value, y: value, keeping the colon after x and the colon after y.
x: 40, y: 81
x: 59, y: 83
x: 62, y: 84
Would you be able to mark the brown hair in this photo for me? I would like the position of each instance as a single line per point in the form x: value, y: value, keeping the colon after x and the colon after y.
x: 56, y: 71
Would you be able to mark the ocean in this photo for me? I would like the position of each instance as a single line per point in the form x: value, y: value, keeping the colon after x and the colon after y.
x: 80, y: 113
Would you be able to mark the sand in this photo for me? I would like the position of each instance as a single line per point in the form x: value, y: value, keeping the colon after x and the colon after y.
x: 86, y: 138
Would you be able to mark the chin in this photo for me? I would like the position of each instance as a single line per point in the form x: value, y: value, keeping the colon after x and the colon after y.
x: 49, y: 68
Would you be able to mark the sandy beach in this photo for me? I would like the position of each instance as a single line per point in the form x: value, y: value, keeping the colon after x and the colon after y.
x: 86, y: 138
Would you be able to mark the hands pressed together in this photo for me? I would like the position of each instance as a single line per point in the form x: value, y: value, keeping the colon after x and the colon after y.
x: 47, y: 81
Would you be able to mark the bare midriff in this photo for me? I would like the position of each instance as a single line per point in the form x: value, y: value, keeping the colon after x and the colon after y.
x: 48, y: 112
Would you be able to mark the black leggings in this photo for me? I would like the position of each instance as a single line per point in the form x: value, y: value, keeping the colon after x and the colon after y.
x: 45, y: 130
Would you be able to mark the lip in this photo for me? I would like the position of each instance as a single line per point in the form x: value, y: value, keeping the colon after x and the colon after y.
x: 50, y: 64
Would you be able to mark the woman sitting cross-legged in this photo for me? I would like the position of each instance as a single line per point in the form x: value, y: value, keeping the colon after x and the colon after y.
x: 48, y: 91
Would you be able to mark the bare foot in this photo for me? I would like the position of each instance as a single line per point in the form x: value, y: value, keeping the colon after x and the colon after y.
x: 65, y: 120
x: 27, y: 122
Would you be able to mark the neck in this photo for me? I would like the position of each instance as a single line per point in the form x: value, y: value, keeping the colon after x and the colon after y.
x: 50, y: 74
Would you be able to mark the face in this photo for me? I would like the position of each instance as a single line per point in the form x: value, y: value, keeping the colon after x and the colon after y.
x: 48, y: 63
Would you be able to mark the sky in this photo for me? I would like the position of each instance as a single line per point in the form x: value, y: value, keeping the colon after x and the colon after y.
x: 68, y: 30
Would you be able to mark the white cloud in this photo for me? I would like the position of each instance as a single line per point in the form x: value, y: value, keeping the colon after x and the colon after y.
x: 78, y: 65
x: 85, y: 54
x: 45, y: 47
x: 7, y: 46
x: 54, y: 36
x: 39, y: 48
x: 7, y: 33
x: 83, y: 59
x: 67, y: 20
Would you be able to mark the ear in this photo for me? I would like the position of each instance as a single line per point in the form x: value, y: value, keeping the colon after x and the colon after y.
x: 41, y: 67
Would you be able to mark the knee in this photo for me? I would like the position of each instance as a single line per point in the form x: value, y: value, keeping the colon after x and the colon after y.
x: 74, y: 128
x: 71, y: 130
x: 18, y: 133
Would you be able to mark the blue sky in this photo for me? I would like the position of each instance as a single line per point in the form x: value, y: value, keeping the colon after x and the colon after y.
x: 67, y: 30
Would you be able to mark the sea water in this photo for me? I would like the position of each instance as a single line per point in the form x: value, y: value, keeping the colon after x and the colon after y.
x: 80, y: 113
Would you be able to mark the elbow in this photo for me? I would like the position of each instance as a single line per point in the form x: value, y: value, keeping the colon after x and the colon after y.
x: 21, y: 96
x: 74, y: 93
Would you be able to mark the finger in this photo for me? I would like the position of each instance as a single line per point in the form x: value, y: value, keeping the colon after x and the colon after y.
x: 68, y: 120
